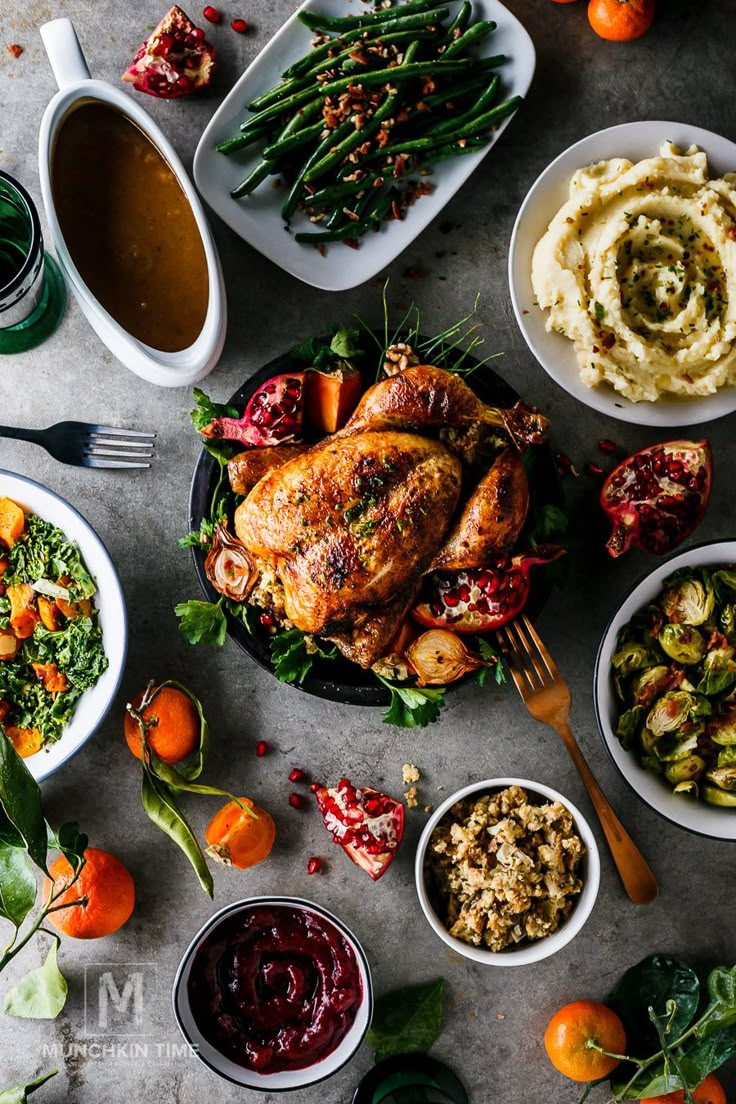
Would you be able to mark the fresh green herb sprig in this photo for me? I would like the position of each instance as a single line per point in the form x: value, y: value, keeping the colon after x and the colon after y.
x: 293, y: 653
x: 412, y: 707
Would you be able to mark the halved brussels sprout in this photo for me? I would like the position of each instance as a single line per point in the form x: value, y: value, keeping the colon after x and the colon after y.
x: 670, y: 712
x: 727, y: 756
x: 632, y: 657
x: 727, y: 621
x: 686, y: 770
x: 714, y: 795
x: 675, y: 746
x: 725, y: 777
x: 649, y: 684
x: 689, y: 602
x: 687, y: 789
x: 722, y: 730
x: 719, y: 671
x: 628, y: 725
x: 682, y: 643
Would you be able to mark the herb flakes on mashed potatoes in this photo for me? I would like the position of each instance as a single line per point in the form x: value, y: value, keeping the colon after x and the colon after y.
x: 638, y: 269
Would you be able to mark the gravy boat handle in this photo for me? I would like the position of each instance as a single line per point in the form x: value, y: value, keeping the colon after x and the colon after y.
x: 64, y: 52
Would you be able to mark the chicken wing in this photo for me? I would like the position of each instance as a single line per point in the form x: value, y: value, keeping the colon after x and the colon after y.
x: 491, y: 519
x: 250, y: 466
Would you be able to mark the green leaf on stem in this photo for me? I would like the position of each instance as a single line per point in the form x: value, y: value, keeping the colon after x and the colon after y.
x: 411, y: 707
x: 20, y: 799
x: 162, y: 809
x: 17, y: 885
x: 40, y: 995
x: 72, y: 843
x: 407, y: 1020
x: 651, y: 984
x: 18, y: 1094
x: 192, y: 767
x: 722, y: 993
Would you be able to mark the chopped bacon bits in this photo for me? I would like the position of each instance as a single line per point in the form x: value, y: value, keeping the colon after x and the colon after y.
x: 15, y: 50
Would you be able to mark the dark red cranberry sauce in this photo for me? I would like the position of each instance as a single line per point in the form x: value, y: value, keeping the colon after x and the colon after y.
x: 275, y: 988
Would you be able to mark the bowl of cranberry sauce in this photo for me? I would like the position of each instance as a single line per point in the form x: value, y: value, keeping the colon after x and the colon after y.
x: 274, y: 993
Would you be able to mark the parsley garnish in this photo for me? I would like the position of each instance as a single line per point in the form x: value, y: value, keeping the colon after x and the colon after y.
x: 206, y: 411
x: 293, y: 653
x: 411, y: 707
x: 202, y: 622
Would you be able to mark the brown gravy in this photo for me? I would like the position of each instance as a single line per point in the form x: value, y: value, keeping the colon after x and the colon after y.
x: 129, y: 227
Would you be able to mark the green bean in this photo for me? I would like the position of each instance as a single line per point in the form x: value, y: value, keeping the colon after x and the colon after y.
x: 471, y: 37
x: 297, y: 188
x: 458, y: 24
x: 452, y: 149
x: 439, y: 99
x: 253, y: 179
x: 283, y: 107
x: 240, y: 141
x: 485, y: 100
x: 278, y: 92
x: 317, y: 22
x: 353, y: 229
x: 386, y: 109
x: 333, y: 192
x: 283, y: 146
x: 393, y: 23
x: 399, y: 72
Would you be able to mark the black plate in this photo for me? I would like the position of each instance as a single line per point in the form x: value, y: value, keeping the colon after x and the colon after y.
x: 337, y: 679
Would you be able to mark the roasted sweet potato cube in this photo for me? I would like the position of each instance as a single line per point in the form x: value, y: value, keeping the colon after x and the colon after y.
x: 72, y: 610
x: 23, y: 614
x: 26, y: 741
x: 50, y: 614
x: 12, y: 522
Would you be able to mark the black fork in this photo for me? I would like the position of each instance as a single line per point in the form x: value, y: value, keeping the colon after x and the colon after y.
x: 90, y: 446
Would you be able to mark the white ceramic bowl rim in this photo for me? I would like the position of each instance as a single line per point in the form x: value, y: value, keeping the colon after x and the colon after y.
x: 179, y: 991
x: 601, y: 677
x: 534, y: 950
x: 167, y: 368
x: 115, y: 597
x: 557, y: 354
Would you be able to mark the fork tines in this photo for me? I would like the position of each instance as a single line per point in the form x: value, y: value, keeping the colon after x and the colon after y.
x: 113, y: 447
x: 532, y: 668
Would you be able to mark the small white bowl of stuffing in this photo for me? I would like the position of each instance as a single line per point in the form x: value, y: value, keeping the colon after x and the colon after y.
x: 507, y: 871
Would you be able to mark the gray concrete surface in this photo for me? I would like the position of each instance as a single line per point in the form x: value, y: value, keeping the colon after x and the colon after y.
x: 495, y: 1019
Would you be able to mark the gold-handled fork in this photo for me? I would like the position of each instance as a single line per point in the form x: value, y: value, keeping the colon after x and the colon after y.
x: 547, y: 697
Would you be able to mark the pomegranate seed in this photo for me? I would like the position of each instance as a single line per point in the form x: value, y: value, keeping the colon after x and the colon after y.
x: 183, y: 83
x: 314, y: 866
x: 198, y: 34
x: 296, y: 801
x: 261, y: 748
x: 239, y: 26
x: 297, y: 775
x: 315, y: 786
x: 564, y: 465
x: 212, y: 14
x: 267, y: 620
x: 593, y: 469
x: 606, y: 446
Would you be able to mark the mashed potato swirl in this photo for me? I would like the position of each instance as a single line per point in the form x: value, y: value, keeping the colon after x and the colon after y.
x: 638, y: 269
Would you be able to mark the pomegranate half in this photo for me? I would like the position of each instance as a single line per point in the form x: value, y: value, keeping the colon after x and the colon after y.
x: 656, y: 498
x: 273, y: 416
x: 367, y: 824
x: 480, y: 600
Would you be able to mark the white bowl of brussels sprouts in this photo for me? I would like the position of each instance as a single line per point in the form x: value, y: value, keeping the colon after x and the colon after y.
x: 665, y: 689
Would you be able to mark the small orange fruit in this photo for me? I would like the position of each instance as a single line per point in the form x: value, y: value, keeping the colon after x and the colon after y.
x: 620, y: 20
x: 571, y: 1032
x: 709, y: 1092
x: 108, y: 888
x: 237, y: 839
x: 174, y: 725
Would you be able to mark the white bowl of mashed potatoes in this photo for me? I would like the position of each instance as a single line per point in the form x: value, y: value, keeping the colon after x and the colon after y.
x: 507, y: 871
x: 622, y: 271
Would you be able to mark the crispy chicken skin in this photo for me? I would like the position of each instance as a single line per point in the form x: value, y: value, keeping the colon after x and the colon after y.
x: 491, y: 519
x: 350, y: 527
x: 247, y: 468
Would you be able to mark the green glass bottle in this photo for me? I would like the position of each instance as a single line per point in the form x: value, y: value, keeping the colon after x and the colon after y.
x: 32, y: 291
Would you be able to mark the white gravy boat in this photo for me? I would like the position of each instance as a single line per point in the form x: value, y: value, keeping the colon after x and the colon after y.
x: 180, y: 369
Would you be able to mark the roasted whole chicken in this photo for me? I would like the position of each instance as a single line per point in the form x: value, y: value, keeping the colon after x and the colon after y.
x: 349, y: 526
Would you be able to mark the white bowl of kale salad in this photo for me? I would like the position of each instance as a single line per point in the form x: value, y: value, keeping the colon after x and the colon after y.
x: 63, y: 626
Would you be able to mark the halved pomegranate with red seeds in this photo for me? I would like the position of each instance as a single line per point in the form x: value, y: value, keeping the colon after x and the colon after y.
x: 366, y: 823
x: 481, y: 600
x: 656, y: 497
x: 273, y: 416
x: 176, y: 60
